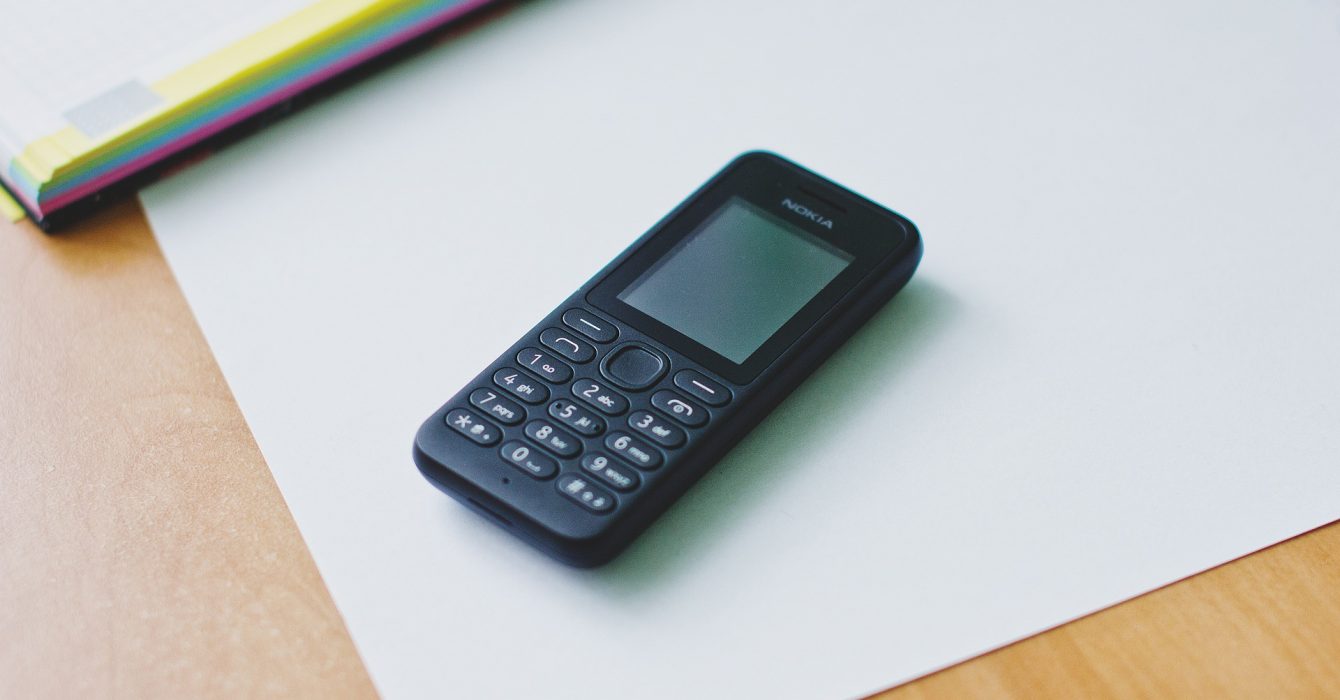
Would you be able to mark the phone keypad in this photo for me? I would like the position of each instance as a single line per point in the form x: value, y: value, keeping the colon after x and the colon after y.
x: 521, y: 385
x: 664, y: 404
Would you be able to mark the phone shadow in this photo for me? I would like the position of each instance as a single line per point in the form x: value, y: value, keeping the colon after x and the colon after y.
x: 893, y: 339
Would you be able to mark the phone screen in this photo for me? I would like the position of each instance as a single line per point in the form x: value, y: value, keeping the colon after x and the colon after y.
x: 736, y: 279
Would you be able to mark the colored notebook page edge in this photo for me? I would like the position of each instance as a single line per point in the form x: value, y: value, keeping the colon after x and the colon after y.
x: 9, y: 208
x: 242, y: 79
x: 44, y: 163
x: 269, y: 88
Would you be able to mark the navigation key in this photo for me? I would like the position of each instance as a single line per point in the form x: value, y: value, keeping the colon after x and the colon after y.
x: 590, y: 325
x: 679, y: 408
x: 706, y: 390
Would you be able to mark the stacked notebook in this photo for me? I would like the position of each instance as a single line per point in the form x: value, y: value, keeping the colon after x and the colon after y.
x: 138, y: 81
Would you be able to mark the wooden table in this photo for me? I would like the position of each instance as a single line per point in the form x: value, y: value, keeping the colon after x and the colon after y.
x: 145, y: 550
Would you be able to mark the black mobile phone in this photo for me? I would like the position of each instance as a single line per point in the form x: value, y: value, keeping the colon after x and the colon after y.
x: 593, y: 423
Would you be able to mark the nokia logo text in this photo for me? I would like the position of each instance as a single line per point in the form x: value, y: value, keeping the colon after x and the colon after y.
x: 808, y: 213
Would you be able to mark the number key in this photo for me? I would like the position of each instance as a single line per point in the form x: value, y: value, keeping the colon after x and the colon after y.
x: 551, y: 438
x: 602, y: 399
x: 660, y: 430
x: 605, y: 469
x: 528, y: 459
x: 501, y: 409
x: 634, y: 450
x: 545, y: 365
x: 576, y: 417
x: 520, y: 385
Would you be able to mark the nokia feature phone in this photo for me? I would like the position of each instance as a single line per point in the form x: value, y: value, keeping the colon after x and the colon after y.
x: 592, y: 424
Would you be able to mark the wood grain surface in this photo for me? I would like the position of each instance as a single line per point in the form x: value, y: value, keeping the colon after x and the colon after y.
x: 145, y: 550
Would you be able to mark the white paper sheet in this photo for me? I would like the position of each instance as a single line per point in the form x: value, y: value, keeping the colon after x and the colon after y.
x: 1115, y: 368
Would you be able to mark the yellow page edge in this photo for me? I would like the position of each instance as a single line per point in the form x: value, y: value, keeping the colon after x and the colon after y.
x: 50, y: 156
x: 9, y: 208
